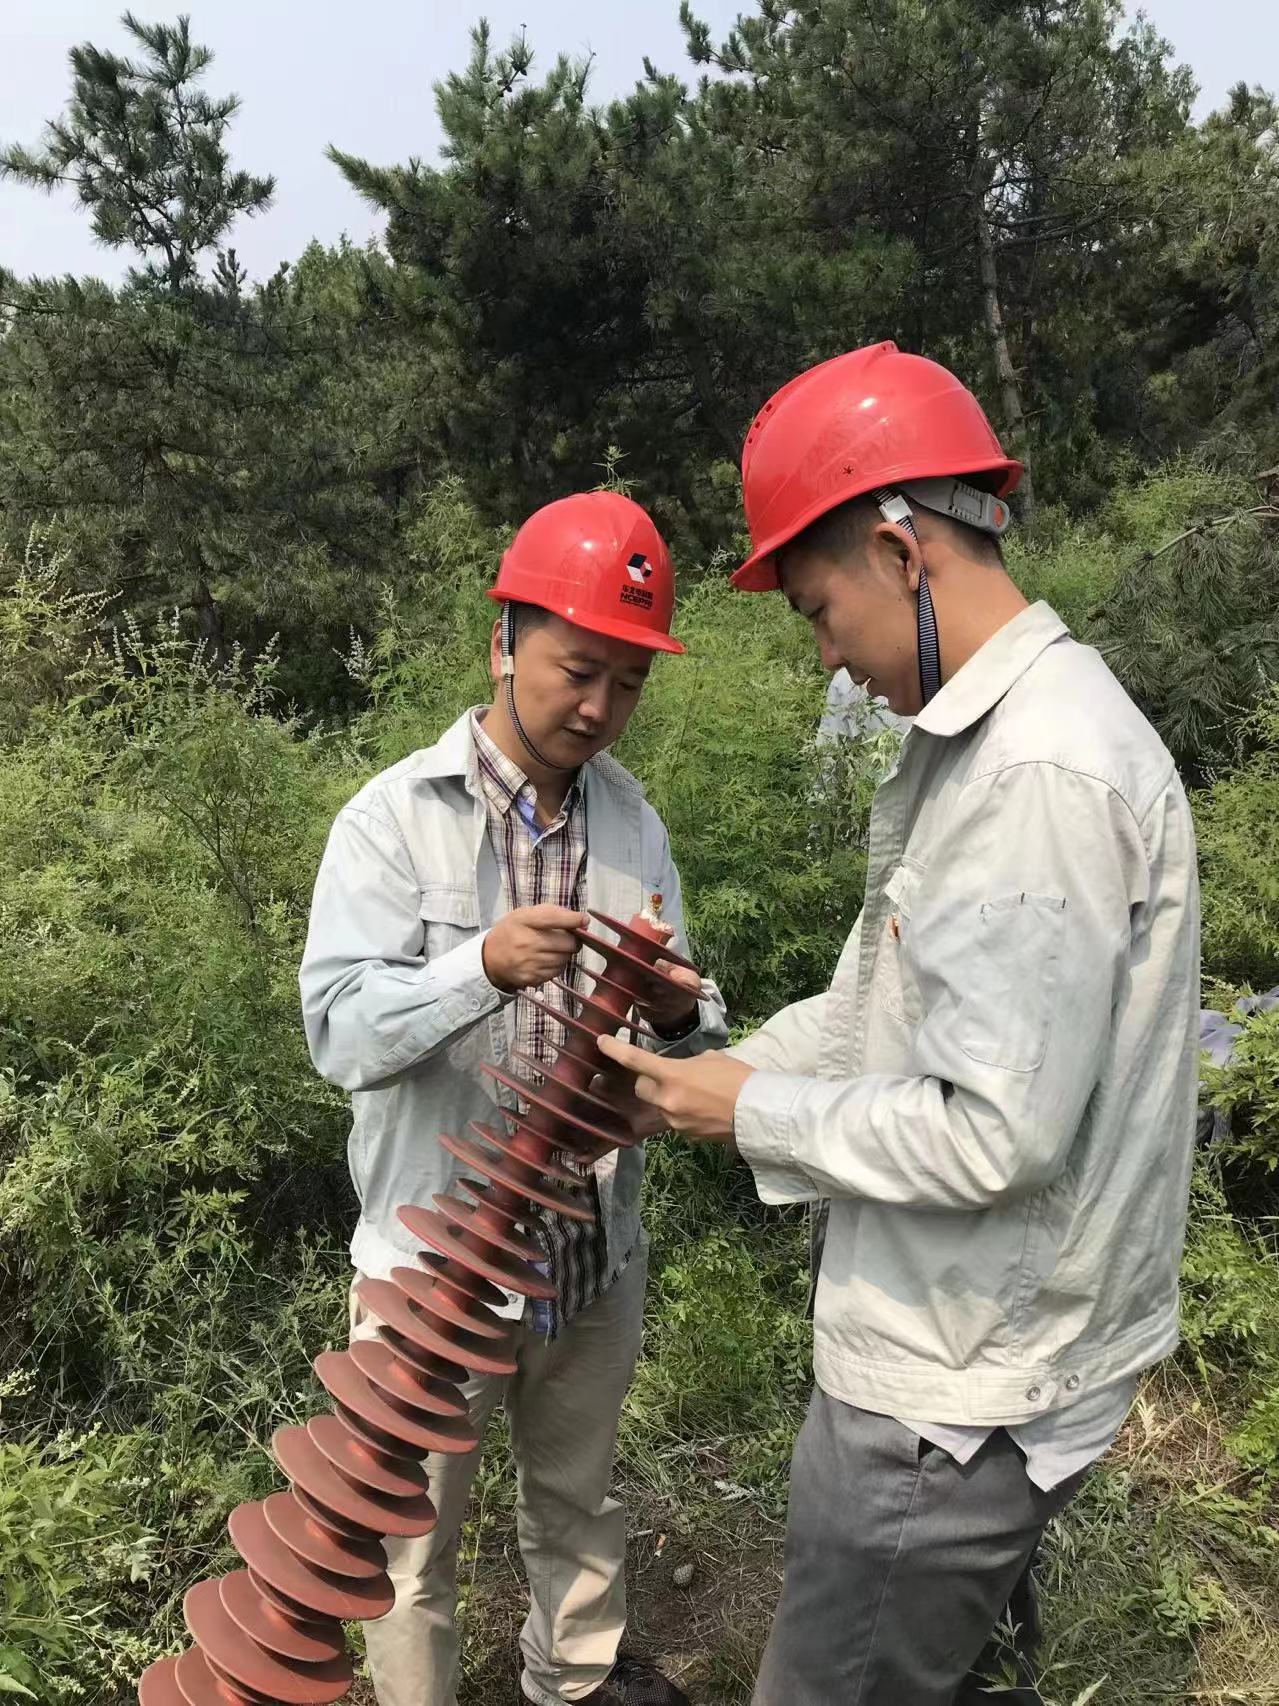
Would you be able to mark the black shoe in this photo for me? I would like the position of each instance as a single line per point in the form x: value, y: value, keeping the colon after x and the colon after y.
x: 634, y: 1682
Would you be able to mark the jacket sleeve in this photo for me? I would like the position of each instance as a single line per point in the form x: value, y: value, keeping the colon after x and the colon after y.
x: 372, y: 1004
x: 712, y: 1022
x: 787, y: 1042
x: 1017, y: 943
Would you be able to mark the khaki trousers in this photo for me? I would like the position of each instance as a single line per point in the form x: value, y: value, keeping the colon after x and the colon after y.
x: 563, y: 1404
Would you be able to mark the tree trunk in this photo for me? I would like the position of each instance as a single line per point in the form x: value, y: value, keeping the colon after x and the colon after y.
x: 208, y: 616
x: 1006, y: 373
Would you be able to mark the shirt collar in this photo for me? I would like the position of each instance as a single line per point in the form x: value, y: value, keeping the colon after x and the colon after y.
x: 991, y: 671
x: 501, y: 777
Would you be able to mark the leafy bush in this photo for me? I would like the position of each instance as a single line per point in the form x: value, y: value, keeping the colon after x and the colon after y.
x: 1230, y: 1317
x: 728, y: 1348
x: 158, y: 1115
x: 68, y: 1547
x: 1074, y: 561
x: 1172, y: 578
x: 1246, y: 1089
x: 1236, y: 821
x: 44, y: 632
x: 1190, y: 626
x: 428, y: 659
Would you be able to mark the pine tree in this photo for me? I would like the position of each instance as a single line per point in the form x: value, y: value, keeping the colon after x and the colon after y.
x: 951, y: 174
x: 238, y: 451
x: 1198, y: 281
x: 983, y: 138
x: 145, y: 149
x: 594, y: 278
x: 513, y: 271
x: 1192, y: 629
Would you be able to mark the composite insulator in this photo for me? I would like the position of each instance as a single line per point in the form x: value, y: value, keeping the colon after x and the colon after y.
x: 272, y: 1632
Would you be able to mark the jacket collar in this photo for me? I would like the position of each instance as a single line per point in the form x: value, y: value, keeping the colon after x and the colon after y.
x: 452, y: 755
x: 991, y: 671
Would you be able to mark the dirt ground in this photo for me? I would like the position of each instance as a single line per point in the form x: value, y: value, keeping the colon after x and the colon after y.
x: 706, y: 1636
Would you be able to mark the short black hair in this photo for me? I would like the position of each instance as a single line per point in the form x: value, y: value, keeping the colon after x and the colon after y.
x: 525, y: 618
x: 843, y: 530
x: 837, y: 534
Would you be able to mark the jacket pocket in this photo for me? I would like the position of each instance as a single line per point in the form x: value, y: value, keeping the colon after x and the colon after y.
x: 450, y: 913
x: 1011, y: 979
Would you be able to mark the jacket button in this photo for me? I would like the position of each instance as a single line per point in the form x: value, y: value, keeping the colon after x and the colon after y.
x: 1072, y: 1383
x: 1032, y: 1393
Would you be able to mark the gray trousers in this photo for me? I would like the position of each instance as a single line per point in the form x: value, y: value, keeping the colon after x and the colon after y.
x: 899, y: 1564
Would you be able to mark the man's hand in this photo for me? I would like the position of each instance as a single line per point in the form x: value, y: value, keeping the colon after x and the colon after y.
x: 617, y: 1087
x: 670, y: 1000
x: 530, y: 946
x: 695, y: 1096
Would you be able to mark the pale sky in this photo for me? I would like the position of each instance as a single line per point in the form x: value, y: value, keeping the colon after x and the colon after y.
x: 362, y: 75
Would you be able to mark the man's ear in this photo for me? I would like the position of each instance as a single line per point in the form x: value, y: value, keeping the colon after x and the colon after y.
x: 898, y: 551
x: 495, y: 650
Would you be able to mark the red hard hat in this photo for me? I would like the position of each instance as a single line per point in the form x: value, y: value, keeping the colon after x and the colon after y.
x: 873, y: 417
x: 597, y: 560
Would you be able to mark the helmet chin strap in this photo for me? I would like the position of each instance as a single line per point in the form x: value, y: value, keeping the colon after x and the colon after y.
x: 508, y: 678
x: 893, y: 507
x: 926, y: 641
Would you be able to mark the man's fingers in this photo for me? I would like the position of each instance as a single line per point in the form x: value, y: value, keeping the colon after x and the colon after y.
x: 618, y: 1089
x: 557, y: 942
x: 611, y: 1086
x: 649, y: 1072
x: 633, y: 1059
x: 545, y: 954
x: 647, y: 1089
x: 685, y: 976
x: 548, y: 917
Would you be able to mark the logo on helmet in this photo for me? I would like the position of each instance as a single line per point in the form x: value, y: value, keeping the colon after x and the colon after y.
x: 639, y: 569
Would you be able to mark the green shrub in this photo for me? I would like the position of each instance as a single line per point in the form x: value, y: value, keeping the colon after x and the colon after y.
x: 70, y: 1553
x: 1237, y: 820
x: 1246, y: 1089
x: 428, y: 660
x: 1074, y: 563
x: 1190, y: 626
x: 1230, y: 1317
x: 45, y: 630
x: 727, y: 1347
x: 162, y: 1134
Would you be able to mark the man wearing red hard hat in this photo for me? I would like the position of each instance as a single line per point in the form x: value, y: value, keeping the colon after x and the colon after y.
x: 450, y: 885
x: 996, y: 1094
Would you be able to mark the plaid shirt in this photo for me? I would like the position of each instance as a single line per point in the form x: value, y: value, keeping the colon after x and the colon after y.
x: 544, y: 865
